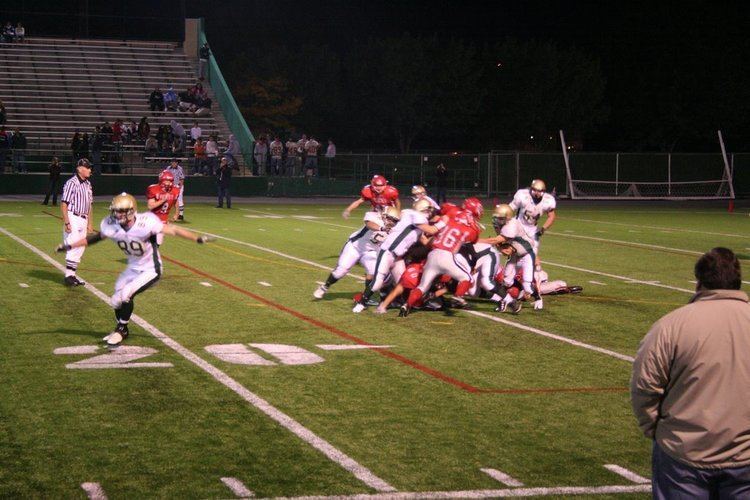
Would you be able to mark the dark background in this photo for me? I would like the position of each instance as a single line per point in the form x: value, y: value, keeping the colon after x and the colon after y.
x: 630, y: 75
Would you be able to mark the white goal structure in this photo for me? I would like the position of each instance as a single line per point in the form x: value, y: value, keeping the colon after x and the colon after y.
x: 648, y: 176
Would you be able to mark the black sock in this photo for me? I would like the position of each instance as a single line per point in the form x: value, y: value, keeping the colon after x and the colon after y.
x: 331, y: 280
x: 366, y: 295
x: 124, y: 312
x: 501, y: 290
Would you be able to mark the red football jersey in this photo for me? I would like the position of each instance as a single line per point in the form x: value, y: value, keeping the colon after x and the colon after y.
x: 155, y: 192
x: 449, y: 209
x: 379, y: 201
x: 412, y: 275
x: 460, y: 229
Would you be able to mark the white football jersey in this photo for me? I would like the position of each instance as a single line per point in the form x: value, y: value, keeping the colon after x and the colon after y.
x: 518, y: 236
x: 365, y: 239
x: 139, y: 242
x: 405, y: 233
x: 529, y: 210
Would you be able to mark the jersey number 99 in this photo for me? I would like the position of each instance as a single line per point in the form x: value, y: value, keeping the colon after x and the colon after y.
x: 134, y: 249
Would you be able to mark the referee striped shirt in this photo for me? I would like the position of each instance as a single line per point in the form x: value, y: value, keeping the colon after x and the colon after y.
x: 78, y: 195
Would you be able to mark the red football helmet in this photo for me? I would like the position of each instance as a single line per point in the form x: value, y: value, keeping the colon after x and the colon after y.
x: 378, y: 183
x: 474, y: 206
x: 166, y: 180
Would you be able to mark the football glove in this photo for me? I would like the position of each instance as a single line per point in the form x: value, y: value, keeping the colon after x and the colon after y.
x: 345, y: 214
x: 62, y: 248
x: 204, y: 239
x: 540, y: 232
x: 538, y: 305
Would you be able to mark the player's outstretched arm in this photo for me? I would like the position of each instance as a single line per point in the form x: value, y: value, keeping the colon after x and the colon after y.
x: 83, y: 242
x: 353, y: 205
x: 185, y: 234
x: 494, y: 240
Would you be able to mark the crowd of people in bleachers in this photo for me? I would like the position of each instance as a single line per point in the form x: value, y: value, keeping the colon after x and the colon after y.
x: 13, y: 144
x: 13, y: 34
x: 194, y: 100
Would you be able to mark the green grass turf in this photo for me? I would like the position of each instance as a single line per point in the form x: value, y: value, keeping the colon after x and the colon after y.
x: 173, y: 432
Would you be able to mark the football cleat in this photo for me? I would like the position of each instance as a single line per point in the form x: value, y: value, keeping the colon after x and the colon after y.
x: 320, y: 292
x: 404, y: 311
x: 358, y: 308
x: 575, y: 289
x: 501, y: 306
x: 73, y: 281
x: 117, y: 336
x: 459, y: 302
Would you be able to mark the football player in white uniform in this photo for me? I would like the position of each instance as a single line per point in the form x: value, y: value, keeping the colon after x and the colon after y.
x: 419, y: 192
x: 135, y: 234
x: 362, y: 246
x: 412, y: 225
x: 530, y: 204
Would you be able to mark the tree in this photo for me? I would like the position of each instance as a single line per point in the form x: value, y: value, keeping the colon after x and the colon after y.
x: 267, y: 103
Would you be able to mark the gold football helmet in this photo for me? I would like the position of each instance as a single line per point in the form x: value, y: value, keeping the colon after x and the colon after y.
x: 537, y: 187
x: 391, y: 216
x: 123, y: 208
x: 423, y: 206
x: 417, y: 192
x: 501, y: 215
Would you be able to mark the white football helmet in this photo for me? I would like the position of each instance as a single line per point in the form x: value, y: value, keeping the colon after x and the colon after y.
x: 391, y: 216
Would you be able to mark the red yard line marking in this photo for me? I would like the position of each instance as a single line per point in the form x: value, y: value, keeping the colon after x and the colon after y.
x: 553, y: 390
x: 331, y: 329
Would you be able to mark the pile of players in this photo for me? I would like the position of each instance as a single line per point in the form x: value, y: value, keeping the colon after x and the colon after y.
x: 412, y: 257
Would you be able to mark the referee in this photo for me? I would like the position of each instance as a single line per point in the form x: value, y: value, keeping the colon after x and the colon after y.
x: 76, y: 214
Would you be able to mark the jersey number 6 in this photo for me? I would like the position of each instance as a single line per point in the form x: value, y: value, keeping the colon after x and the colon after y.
x: 135, y: 248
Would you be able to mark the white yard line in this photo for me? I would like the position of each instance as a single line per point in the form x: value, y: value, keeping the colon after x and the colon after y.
x: 616, y: 276
x: 549, y: 335
x: 501, y: 493
x: 627, y: 474
x: 206, y: 283
x: 630, y: 243
x: 238, y: 487
x: 350, y: 347
x: 333, y: 453
x: 475, y: 313
x: 94, y: 491
x: 271, y: 214
x: 502, y: 477
x: 23, y: 285
x: 668, y: 229
x: 264, y: 283
x: 597, y: 283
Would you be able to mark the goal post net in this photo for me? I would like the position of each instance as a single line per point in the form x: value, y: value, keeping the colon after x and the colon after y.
x: 648, y: 175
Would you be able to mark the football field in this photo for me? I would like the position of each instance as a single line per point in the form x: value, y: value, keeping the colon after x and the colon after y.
x: 235, y: 382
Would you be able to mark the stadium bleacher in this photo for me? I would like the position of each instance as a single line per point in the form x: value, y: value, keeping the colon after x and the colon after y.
x: 52, y: 87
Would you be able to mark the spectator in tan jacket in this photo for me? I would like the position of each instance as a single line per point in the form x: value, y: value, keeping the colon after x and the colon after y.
x: 690, y: 388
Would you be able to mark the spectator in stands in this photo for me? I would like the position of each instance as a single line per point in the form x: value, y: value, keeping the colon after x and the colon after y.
x: 19, y: 144
x: 54, y: 181
x: 151, y: 147
x: 277, y: 153
x: 144, y: 129
x: 311, y: 160
x: 75, y: 146
x: 170, y: 100
x: 97, y: 143
x: 330, y: 155
x: 212, y: 153
x: 107, y: 132
x: 301, y: 154
x: 9, y: 33
x: 156, y: 100
x: 3, y: 113
x: 223, y: 181
x: 117, y: 131
x: 178, y: 147
x: 233, y: 150
x: 5, y: 138
x: 20, y: 33
x: 260, y: 154
x: 178, y: 132
x: 203, y: 54
x: 199, y: 157
x: 84, y: 147
x: 196, y: 132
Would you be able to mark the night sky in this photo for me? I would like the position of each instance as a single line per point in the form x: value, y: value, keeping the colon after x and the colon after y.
x: 687, y: 59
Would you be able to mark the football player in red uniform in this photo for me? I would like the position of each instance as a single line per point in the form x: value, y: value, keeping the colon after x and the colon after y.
x: 461, y: 228
x: 378, y: 193
x: 161, y: 198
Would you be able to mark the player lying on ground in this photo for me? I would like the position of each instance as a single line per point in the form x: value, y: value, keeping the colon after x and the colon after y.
x: 135, y: 233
